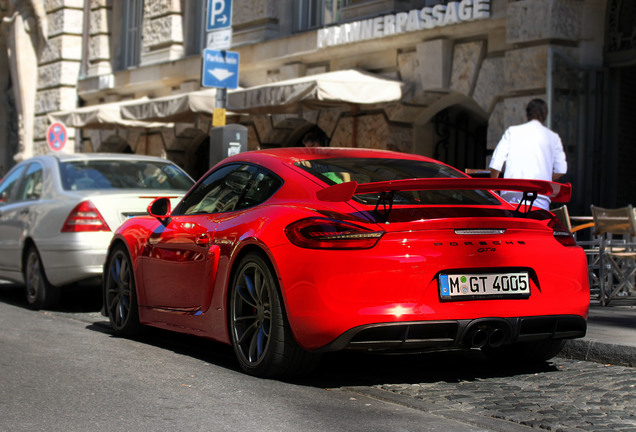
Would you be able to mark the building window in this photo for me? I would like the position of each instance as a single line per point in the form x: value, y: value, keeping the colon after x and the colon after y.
x: 132, y: 18
x: 311, y: 14
x: 194, y: 26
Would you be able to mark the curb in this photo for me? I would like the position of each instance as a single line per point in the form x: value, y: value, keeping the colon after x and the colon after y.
x: 599, y: 352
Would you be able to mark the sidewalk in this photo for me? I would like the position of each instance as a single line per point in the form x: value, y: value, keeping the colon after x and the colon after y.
x: 610, y: 338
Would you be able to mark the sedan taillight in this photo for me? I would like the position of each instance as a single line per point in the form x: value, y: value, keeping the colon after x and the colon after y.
x: 85, y: 217
x: 323, y: 233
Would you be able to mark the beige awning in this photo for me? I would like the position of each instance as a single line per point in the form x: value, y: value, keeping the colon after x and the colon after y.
x: 102, y: 116
x: 344, y: 87
x: 174, y: 108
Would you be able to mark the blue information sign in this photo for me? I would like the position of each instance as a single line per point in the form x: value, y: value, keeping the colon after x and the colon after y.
x: 220, y: 69
x: 219, y: 14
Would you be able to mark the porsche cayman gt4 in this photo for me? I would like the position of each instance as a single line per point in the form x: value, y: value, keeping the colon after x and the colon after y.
x: 289, y: 253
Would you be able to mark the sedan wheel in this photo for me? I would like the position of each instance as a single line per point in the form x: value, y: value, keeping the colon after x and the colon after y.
x: 262, y: 339
x: 39, y: 292
x: 120, y: 298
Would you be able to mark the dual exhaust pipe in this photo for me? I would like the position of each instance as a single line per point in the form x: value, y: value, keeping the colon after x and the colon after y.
x: 481, y: 337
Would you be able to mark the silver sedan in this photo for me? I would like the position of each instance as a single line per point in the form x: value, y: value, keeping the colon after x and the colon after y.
x: 58, y: 213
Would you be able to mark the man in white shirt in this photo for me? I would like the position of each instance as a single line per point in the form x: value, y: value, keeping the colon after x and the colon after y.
x: 529, y: 151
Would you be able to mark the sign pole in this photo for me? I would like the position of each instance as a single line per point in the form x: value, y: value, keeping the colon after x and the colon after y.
x: 219, y: 112
x: 220, y: 67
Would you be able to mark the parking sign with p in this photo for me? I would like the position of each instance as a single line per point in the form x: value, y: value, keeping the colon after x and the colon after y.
x: 219, y: 14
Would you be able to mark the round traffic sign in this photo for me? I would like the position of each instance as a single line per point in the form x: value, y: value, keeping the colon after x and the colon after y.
x: 56, y: 136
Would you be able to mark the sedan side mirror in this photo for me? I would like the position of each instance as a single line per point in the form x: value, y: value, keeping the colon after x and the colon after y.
x: 160, y: 208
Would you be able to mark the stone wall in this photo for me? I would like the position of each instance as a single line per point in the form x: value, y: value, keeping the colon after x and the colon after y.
x: 162, y: 31
x: 372, y: 131
x: 99, y: 43
x: 59, y: 68
x: 490, y: 67
x: 255, y: 21
x: 534, y: 28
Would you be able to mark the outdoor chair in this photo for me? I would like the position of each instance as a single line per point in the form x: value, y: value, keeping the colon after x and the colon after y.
x: 617, y: 230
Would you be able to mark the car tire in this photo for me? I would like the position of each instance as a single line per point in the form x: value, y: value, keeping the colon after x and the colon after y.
x: 40, y: 294
x: 120, y: 294
x: 261, y: 336
x: 526, y: 352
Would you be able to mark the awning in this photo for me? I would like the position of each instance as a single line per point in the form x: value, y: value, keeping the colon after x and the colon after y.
x: 174, y: 108
x: 102, y: 116
x: 344, y: 87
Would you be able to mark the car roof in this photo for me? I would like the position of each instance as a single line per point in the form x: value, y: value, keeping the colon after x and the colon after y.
x: 290, y: 155
x: 63, y: 157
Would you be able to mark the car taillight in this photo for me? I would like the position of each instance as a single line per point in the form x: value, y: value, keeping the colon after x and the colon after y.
x: 85, y: 217
x: 323, y: 233
x: 561, y: 233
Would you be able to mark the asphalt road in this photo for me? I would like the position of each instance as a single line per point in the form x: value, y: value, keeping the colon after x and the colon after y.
x: 63, y: 370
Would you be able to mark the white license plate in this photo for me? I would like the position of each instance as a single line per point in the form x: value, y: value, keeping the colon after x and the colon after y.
x: 489, y: 285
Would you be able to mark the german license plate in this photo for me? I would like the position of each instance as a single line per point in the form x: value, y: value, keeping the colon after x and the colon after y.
x: 489, y: 285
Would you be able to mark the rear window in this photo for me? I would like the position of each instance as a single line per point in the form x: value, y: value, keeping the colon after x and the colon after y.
x: 105, y: 174
x: 371, y: 170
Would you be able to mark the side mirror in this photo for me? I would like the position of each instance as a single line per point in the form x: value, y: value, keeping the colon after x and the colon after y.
x: 160, y: 209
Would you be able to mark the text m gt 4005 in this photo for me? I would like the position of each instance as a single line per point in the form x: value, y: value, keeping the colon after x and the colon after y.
x: 292, y: 252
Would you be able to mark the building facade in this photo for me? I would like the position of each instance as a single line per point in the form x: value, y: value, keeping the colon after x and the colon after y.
x: 125, y: 76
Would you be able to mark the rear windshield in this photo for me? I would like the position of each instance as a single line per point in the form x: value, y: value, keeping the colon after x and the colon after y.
x: 111, y: 174
x: 371, y: 170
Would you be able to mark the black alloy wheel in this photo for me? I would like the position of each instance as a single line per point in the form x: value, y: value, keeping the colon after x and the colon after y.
x: 261, y: 336
x: 40, y: 294
x: 120, y: 296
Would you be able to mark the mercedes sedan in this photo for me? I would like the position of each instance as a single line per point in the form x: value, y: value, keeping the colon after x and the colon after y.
x: 58, y: 214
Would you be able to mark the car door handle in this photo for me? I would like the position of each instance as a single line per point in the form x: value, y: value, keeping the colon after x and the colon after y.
x: 203, y: 240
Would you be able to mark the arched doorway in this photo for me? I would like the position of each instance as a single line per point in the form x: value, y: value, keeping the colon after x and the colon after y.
x: 460, y: 138
x: 454, y: 130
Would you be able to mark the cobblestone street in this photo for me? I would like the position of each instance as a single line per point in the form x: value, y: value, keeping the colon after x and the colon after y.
x: 569, y: 396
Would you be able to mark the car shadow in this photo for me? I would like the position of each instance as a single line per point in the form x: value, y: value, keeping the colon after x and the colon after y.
x: 12, y: 294
x: 192, y: 346
x: 340, y: 369
x: 76, y: 298
x: 348, y: 368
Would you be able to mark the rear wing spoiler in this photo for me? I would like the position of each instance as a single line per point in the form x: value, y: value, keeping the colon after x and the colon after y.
x: 557, y: 192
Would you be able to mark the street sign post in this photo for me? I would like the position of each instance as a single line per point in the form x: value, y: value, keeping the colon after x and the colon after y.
x: 220, y: 69
x: 56, y: 136
x: 219, y: 14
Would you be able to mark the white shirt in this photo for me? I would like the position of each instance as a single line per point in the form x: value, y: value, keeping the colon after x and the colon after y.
x: 530, y: 151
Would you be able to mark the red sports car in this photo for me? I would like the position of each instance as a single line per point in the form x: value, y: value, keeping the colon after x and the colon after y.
x: 293, y: 252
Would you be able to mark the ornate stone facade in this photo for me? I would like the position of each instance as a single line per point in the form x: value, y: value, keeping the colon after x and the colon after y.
x: 487, y: 68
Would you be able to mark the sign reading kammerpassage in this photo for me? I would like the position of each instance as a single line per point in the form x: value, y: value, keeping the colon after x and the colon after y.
x: 428, y: 17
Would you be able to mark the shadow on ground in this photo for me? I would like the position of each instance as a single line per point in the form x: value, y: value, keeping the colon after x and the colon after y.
x: 335, y: 370
x: 73, y: 298
x: 347, y: 369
